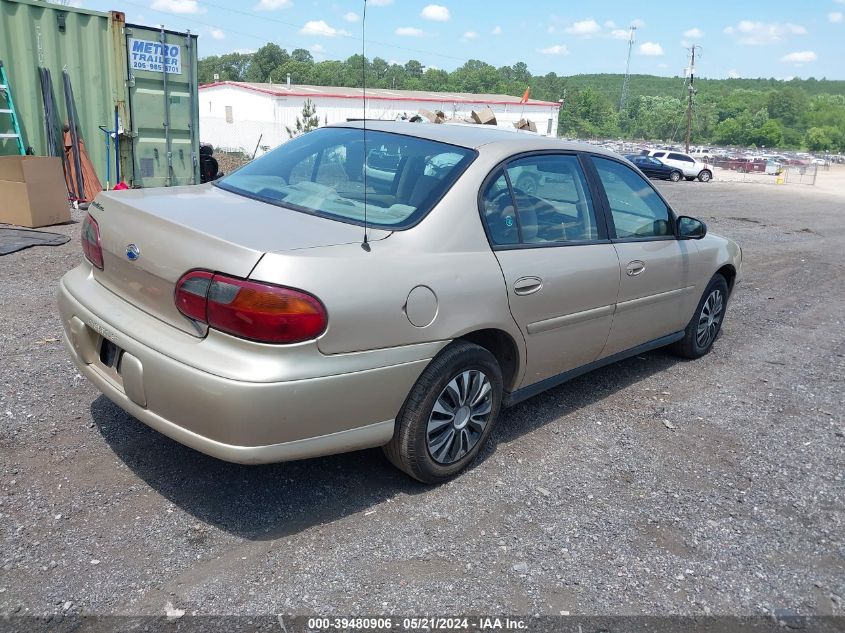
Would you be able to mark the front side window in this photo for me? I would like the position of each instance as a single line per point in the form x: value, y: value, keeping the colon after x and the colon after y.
x: 333, y: 171
x: 637, y: 210
x: 559, y: 208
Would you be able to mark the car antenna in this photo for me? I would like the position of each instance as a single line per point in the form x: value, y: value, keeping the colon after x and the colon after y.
x: 365, y: 244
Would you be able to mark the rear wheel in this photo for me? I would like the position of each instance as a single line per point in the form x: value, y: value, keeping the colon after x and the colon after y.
x: 448, y: 415
x: 675, y: 176
x: 705, y: 175
x: 706, y: 323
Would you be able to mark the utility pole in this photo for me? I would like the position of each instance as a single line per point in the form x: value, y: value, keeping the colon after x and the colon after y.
x: 691, y: 93
x: 624, y: 98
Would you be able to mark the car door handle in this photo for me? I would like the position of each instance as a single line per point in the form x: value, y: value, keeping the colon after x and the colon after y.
x: 635, y: 267
x: 527, y: 285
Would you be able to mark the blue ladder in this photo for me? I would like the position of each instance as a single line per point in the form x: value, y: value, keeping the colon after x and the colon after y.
x: 7, y: 108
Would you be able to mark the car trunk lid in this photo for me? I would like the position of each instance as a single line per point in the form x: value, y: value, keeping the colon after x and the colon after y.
x: 177, y: 229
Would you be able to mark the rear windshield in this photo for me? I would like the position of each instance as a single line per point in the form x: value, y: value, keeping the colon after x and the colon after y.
x: 325, y: 172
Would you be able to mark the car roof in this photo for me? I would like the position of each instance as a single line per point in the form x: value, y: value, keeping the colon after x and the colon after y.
x: 474, y: 136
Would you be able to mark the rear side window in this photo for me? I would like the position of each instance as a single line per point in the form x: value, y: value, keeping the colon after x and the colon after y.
x: 332, y: 171
x: 636, y: 209
x: 548, y: 202
x: 681, y: 157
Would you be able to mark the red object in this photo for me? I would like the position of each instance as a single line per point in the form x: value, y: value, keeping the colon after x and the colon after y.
x: 91, y: 242
x: 525, y: 96
x: 257, y: 311
x: 120, y: 186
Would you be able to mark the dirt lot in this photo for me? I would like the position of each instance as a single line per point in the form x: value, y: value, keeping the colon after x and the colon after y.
x: 585, y: 501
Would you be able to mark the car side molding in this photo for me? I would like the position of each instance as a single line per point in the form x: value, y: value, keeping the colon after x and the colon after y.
x: 515, y: 397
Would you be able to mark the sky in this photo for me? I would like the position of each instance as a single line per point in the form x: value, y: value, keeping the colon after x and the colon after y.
x: 776, y: 38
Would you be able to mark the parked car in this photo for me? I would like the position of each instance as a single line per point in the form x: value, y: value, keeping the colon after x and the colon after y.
x: 692, y: 168
x: 287, y: 311
x: 655, y: 168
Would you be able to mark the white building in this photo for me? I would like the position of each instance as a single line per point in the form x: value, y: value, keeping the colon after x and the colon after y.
x: 234, y: 115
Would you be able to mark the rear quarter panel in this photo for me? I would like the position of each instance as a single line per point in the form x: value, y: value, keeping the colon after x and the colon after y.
x: 365, y: 293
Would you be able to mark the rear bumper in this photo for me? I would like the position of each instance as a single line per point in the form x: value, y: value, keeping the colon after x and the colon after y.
x: 349, y: 403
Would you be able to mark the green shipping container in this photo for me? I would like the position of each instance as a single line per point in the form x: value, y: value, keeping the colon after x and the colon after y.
x: 149, y: 74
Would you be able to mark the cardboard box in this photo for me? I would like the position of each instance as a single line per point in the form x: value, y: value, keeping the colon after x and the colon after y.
x: 525, y: 124
x: 33, y: 192
x: 484, y: 116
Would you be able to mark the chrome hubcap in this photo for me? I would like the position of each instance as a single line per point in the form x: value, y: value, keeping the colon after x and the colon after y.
x: 709, y: 319
x: 459, y: 417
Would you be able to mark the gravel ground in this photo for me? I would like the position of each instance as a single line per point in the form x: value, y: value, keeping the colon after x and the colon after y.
x: 585, y: 501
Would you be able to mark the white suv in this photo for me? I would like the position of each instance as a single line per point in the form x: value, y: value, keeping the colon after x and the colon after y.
x: 692, y: 168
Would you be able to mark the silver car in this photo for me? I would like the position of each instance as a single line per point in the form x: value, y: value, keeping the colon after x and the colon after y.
x: 385, y: 287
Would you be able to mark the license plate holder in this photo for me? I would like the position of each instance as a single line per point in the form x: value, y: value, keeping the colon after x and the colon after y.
x: 109, y: 354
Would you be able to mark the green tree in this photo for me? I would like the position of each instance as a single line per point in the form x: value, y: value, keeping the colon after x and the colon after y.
x: 302, y: 55
x: 787, y: 104
x: 413, y: 68
x: 770, y: 134
x: 265, y: 61
x: 228, y: 67
x: 310, y: 120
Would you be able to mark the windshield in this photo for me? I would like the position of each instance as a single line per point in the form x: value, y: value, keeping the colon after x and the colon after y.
x: 330, y: 172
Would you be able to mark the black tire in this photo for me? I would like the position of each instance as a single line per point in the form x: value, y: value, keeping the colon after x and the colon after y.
x: 675, y: 176
x: 692, y: 346
x: 408, y: 450
x: 705, y: 175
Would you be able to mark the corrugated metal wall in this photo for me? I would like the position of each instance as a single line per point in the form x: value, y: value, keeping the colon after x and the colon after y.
x: 34, y: 34
x: 92, y: 46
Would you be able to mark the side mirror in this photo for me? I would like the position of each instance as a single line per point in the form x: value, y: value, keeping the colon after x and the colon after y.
x: 690, y: 228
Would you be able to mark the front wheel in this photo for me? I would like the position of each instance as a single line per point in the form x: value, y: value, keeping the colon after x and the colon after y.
x: 706, y: 323
x: 675, y: 176
x: 705, y: 175
x: 448, y: 415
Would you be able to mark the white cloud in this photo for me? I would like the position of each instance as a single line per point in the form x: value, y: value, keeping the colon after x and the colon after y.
x: 619, y: 34
x: 584, y: 28
x: 381, y: 3
x: 436, y: 13
x: 650, y: 49
x: 557, y: 49
x: 273, y: 5
x: 470, y: 35
x: 497, y: 30
x: 758, y: 33
x: 409, y: 31
x: 318, y: 51
x: 638, y: 23
x: 733, y: 73
x: 177, y: 6
x: 834, y: 16
x: 218, y: 34
x: 351, y: 17
x: 319, y: 27
x: 799, y: 57
x: 695, y: 33
x: 610, y: 24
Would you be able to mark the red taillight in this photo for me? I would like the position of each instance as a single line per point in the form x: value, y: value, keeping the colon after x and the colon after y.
x: 91, y: 242
x: 248, y: 309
